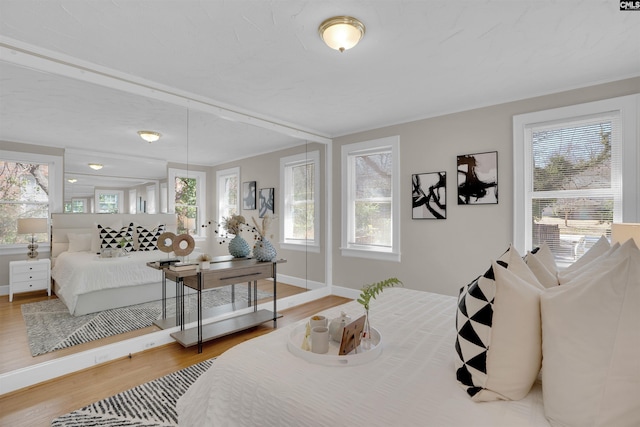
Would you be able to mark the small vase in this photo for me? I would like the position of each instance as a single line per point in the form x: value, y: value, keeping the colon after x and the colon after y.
x: 365, y: 342
x: 238, y: 247
x: 264, y: 250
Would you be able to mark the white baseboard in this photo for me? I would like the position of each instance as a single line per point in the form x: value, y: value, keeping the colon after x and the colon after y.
x: 4, y: 290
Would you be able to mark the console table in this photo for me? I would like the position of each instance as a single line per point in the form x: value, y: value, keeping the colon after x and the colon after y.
x: 222, y: 274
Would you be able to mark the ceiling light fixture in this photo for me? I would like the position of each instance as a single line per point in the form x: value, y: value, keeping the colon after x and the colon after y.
x: 149, y: 135
x: 72, y: 180
x: 341, y: 32
x: 95, y: 166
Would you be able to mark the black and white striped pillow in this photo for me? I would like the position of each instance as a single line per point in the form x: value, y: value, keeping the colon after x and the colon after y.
x: 148, y: 239
x: 111, y: 238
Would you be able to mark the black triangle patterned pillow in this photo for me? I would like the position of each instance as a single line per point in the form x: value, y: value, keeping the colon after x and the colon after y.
x: 148, y: 239
x: 111, y: 238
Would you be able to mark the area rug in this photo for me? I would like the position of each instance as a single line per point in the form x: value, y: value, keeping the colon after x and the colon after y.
x: 50, y: 327
x: 149, y: 404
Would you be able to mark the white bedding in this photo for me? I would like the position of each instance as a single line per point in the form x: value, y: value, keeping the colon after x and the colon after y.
x: 412, y: 383
x: 78, y: 273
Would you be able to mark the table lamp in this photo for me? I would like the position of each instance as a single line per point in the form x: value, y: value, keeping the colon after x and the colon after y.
x: 622, y: 232
x: 32, y: 226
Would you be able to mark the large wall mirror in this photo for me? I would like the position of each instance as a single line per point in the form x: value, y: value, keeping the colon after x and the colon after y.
x: 97, y: 122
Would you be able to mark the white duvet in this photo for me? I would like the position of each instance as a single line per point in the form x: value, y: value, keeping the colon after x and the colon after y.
x: 412, y: 383
x: 78, y: 273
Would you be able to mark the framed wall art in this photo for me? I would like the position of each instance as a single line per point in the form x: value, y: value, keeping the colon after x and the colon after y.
x: 429, y: 195
x: 478, y: 178
x: 249, y: 195
x: 266, y: 199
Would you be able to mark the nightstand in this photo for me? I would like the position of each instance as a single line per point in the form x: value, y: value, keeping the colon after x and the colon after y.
x: 29, y: 275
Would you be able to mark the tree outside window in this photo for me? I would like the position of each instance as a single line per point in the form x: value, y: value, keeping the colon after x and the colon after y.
x: 186, y: 206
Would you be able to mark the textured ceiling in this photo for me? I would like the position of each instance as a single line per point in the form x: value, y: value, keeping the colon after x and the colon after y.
x: 264, y: 60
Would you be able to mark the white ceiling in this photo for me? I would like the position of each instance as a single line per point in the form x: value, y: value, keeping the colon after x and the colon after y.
x: 86, y: 75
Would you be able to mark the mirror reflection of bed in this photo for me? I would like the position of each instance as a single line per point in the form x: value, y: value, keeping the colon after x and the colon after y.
x: 18, y: 355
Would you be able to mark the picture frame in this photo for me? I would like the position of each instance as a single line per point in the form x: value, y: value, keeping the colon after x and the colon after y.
x: 351, y: 335
x: 478, y: 178
x: 266, y: 196
x: 429, y: 195
x: 249, y: 195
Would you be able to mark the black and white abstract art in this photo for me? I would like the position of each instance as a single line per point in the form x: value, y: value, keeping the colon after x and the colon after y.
x: 249, y: 195
x: 266, y: 197
x: 429, y: 195
x: 478, y: 179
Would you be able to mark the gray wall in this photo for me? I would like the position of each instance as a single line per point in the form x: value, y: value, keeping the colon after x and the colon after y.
x: 443, y: 255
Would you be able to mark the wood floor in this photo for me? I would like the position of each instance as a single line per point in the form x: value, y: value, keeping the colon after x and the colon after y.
x: 37, y: 405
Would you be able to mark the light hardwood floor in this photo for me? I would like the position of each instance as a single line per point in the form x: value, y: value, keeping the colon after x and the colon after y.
x: 38, y: 405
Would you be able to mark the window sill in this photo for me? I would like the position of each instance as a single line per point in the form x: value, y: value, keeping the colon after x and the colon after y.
x: 302, y: 247
x: 370, y: 254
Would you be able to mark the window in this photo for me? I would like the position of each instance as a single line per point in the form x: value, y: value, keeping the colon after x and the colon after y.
x: 151, y: 199
x: 300, y: 183
x: 110, y: 201
x: 133, y: 201
x: 30, y: 185
x: 228, y: 200
x: 570, y: 186
x: 76, y: 206
x: 187, y: 198
x: 371, y: 199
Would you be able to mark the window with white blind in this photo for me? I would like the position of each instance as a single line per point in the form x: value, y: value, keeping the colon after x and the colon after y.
x: 300, y: 183
x: 371, y: 199
x: 571, y: 183
x: 228, y: 200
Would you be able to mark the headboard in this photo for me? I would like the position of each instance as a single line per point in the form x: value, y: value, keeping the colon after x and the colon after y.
x: 61, y: 224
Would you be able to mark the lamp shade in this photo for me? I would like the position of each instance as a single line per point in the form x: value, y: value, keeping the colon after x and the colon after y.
x: 620, y: 233
x: 32, y: 225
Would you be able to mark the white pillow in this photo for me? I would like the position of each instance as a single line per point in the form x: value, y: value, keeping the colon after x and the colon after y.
x: 498, y: 324
x: 590, y: 346
x: 600, y: 248
x: 79, y: 242
x: 543, y: 265
x: 603, y: 263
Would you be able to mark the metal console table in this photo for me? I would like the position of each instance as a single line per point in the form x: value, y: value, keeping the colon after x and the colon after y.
x: 222, y: 274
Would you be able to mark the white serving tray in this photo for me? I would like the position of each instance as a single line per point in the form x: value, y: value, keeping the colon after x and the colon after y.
x: 332, y: 358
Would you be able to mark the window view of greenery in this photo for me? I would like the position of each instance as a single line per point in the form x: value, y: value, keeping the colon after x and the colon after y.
x: 302, y: 205
x: 373, y: 173
x: 228, y: 198
x: 186, y: 205
x: 108, y: 203
x: 573, y: 191
x: 24, y: 193
x: 75, y: 206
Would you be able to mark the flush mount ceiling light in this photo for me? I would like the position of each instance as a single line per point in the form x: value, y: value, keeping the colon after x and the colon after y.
x: 72, y: 180
x: 95, y: 166
x: 149, y: 135
x: 341, y: 32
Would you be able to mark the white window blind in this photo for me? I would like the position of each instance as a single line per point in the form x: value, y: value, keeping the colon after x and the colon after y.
x: 300, y: 184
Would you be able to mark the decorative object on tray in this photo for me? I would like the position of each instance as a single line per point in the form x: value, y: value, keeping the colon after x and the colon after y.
x: 263, y: 250
x: 368, y: 292
x: 336, y: 326
x: 353, y: 336
x: 205, y: 261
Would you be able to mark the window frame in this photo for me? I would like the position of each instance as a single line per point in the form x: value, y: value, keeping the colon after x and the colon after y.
x: 286, y: 166
x: 201, y: 195
x: 106, y: 191
x: 221, y: 175
x: 349, y: 151
x: 56, y: 203
x: 626, y: 106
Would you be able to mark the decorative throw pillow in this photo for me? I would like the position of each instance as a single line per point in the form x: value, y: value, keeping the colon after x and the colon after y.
x: 600, y: 248
x: 543, y: 265
x: 148, y: 239
x: 79, y: 242
x: 498, y: 324
x: 96, y: 241
x: 111, y: 238
x: 591, y: 368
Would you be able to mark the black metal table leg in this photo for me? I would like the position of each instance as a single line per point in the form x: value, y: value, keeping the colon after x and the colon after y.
x: 199, y: 312
x: 249, y: 294
x: 164, y: 295
x: 275, y: 312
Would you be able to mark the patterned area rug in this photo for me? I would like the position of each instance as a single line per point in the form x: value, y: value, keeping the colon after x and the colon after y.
x: 50, y: 327
x: 149, y: 404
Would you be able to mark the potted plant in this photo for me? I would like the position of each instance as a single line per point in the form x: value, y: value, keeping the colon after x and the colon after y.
x: 368, y: 292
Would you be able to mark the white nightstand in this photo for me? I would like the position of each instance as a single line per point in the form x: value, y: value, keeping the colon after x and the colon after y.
x: 29, y: 275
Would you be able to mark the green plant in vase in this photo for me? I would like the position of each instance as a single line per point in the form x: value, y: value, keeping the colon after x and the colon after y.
x: 368, y: 292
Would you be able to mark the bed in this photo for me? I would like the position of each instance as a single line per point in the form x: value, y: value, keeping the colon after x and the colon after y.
x: 87, y: 283
x: 416, y: 380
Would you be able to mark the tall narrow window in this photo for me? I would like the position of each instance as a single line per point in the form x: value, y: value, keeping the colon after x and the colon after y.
x: 300, y: 183
x: 187, y: 198
x: 228, y: 200
x: 109, y: 201
x: 573, y: 175
x: 371, y: 211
